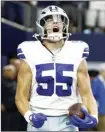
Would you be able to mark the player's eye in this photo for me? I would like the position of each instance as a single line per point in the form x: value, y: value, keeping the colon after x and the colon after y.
x: 46, y: 19
x: 49, y: 20
x: 49, y: 17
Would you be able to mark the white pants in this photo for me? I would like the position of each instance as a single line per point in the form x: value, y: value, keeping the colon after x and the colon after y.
x: 57, y: 123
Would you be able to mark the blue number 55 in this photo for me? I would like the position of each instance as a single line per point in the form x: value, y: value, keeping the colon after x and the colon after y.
x: 49, y: 79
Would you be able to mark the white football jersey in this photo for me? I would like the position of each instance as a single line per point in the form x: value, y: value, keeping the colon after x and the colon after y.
x: 54, y: 81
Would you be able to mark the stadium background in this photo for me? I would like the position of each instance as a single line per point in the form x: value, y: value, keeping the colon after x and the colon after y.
x: 18, y: 24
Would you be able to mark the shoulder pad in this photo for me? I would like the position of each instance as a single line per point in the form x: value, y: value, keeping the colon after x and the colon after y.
x: 81, y: 46
x: 23, y: 48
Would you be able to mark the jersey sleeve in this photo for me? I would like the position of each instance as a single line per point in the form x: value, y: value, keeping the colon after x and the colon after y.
x: 23, y: 53
x: 82, y: 52
x: 85, y: 50
x: 20, y: 52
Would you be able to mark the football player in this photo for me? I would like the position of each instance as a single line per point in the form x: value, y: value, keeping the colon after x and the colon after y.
x: 52, y: 71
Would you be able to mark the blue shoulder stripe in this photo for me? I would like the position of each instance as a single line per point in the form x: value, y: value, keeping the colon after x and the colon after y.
x: 85, y: 55
x: 86, y: 50
x: 19, y: 51
x: 21, y: 56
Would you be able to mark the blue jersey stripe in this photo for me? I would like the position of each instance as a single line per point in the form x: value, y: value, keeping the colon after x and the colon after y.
x: 86, y: 50
x: 19, y: 51
x: 21, y: 56
x: 85, y: 55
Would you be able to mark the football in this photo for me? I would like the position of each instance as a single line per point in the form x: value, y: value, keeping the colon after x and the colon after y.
x: 76, y: 109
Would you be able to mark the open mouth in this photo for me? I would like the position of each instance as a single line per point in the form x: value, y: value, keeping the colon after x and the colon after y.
x: 55, y: 29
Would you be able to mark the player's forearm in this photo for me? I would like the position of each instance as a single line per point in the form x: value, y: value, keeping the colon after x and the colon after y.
x: 22, y: 104
x: 90, y: 103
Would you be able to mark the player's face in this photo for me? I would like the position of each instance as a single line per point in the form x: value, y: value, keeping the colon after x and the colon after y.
x: 54, y: 24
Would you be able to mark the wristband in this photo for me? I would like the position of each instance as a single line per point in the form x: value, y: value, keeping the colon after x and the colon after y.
x: 26, y: 115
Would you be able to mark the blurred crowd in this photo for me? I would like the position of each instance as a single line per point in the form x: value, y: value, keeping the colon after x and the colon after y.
x: 85, y: 16
x: 11, y: 119
x: 97, y: 78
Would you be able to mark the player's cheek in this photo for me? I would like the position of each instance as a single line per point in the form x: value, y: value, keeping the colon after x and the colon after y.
x: 49, y: 27
x: 60, y: 28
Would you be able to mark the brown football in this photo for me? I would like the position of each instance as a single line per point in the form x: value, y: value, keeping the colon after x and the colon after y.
x: 76, y: 109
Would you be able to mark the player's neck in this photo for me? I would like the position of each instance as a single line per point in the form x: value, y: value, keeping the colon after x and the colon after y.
x: 53, y: 45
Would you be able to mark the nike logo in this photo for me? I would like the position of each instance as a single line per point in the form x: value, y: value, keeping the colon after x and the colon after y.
x: 90, y: 122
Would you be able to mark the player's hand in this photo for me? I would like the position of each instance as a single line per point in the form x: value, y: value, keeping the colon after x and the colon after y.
x: 37, y: 119
x: 88, y: 122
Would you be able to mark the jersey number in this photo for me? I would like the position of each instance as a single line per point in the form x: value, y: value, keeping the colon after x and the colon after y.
x: 46, y: 81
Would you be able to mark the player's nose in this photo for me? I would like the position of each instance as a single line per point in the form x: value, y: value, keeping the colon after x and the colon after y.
x: 55, y: 23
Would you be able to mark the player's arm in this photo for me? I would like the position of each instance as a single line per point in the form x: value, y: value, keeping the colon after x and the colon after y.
x: 83, y: 82
x: 91, y: 116
x: 22, y: 97
x: 23, y: 87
